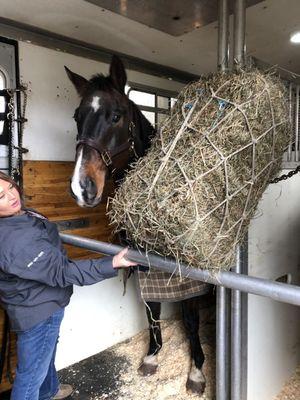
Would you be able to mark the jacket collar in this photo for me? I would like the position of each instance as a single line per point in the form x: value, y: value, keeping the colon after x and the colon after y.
x: 13, y: 219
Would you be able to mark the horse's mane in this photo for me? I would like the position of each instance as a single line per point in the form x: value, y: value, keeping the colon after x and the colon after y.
x: 145, y: 129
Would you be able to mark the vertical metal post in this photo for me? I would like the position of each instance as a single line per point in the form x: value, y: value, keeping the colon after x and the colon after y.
x: 289, y: 152
x: 244, y: 322
x: 239, y: 32
x: 236, y: 335
x: 297, y: 123
x: 236, y: 302
x: 228, y: 341
x: 222, y: 351
x: 222, y: 356
x: 223, y: 35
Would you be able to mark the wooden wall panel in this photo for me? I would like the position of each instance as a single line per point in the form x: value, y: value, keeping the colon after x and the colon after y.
x: 46, y: 189
x: 10, y: 352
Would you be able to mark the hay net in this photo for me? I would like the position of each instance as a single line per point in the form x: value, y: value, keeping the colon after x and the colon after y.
x: 192, y: 196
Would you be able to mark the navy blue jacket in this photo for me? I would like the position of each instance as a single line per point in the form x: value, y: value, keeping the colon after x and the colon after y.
x: 36, y: 277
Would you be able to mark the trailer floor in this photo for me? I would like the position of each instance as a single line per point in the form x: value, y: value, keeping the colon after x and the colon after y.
x: 97, y: 377
x: 291, y: 390
x: 112, y: 374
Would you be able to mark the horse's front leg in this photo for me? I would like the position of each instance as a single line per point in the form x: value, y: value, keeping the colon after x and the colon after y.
x: 150, y: 362
x: 190, y: 312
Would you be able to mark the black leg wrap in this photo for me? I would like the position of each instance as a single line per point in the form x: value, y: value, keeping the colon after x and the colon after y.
x: 190, y: 314
x: 155, y: 342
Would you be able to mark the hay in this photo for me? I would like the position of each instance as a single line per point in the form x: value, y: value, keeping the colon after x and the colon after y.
x: 192, y: 196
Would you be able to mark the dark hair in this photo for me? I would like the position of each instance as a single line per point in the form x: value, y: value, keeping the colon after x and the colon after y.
x: 7, y: 178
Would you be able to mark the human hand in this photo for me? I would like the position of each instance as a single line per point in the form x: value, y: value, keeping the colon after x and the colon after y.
x: 119, y: 260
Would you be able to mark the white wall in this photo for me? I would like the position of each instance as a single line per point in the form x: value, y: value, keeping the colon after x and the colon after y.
x: 274, y: 329
x: 98, y: 316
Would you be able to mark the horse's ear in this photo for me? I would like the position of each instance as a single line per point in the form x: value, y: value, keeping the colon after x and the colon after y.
x: 78, y: 81
x: 117, y: 74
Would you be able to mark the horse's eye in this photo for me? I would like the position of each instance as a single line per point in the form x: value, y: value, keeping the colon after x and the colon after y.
x: 116, y: 118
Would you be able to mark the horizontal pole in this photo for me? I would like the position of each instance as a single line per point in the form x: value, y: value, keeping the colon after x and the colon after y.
x: 262, y: 287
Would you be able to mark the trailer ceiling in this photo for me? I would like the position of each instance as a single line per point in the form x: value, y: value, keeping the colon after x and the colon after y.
x: 148, y: 30
x: 168, y: 16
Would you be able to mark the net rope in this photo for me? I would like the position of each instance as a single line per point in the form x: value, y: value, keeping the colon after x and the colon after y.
x: 224, y: 113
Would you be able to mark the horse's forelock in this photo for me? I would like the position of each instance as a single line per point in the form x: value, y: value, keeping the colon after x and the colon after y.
x: 100, y: 82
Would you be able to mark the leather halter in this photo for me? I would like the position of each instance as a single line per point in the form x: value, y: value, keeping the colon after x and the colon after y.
x: 108, y: 155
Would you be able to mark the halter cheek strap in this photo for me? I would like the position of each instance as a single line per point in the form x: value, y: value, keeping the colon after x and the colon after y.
x: 108, y: 155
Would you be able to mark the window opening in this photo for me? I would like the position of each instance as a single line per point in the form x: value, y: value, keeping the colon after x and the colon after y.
x: 292, y: 156
x: 154, y: 103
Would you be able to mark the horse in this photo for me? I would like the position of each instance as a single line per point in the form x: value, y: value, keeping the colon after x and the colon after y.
x: 112, y: 133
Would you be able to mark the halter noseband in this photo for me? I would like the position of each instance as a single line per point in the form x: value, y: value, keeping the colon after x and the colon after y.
x: 108, y: 155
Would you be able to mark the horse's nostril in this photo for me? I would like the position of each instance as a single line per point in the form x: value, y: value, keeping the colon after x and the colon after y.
x: 89, y: 189
x: 90, y: 185
x: 87, y: 184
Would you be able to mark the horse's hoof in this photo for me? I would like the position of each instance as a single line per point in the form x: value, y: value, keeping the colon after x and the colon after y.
x: 197, y: 387
x: 147, y: 369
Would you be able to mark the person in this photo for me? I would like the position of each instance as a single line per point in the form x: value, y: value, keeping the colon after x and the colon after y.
x: 36, y: 280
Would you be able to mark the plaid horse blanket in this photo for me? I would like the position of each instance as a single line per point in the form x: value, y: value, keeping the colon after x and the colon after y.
x: 155, y: 285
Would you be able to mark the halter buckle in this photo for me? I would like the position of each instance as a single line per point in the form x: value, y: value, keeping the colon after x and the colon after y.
x: 131, y: 128
x: 106, y: 158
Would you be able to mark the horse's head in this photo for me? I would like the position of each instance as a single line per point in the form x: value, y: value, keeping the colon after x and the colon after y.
x: 105, y: 131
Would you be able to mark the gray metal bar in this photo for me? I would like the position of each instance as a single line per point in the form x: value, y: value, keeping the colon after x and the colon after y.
x: 228, y: 341
x: 222, y: 345
x: 297, y: 124
x: 275, y: 290
x: 154, y: 109
x: 244, y: 322
x: 223, y: 35
x: 239, y: 32
x: 236, y: 335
